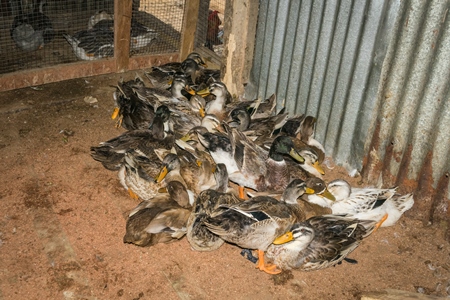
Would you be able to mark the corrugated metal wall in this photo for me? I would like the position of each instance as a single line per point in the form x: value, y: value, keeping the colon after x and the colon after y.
x: 410, y: 143
x: 376, y: 76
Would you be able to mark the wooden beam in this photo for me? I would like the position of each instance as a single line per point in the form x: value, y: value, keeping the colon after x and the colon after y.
x: 21, y: 79
x: 240, y: 21
x: 147, y: 61
x: 189, y: 27
x: 34, y: 77
x: 122, y: 26
x: 391, y: 294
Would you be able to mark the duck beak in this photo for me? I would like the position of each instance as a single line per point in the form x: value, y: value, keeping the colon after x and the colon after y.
x: 294, y: 154
x: 202, y: 113
x: 170, y: 81
x: 162, y: 174
x: 203, y: 64
x: 287, y: 237
x: 204, y: 92
x: 327, y: 195
x: 115, y: 113
x: 163, y: 190
x: 185, y: 138
x: 318, y: 168
x: 189, y: 90
x: 310, y: 191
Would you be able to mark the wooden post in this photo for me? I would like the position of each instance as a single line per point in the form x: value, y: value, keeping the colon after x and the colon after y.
x: 189, y: 27
x: 122, y: 26
x: 239, y: 42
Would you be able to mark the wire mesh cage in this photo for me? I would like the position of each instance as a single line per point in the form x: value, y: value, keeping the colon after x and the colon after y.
x: 165, y: 17
x: 209, y: 34
x: 41, y: 33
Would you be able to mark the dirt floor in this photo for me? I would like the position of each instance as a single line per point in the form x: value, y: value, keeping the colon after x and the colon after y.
x: 62, y: 222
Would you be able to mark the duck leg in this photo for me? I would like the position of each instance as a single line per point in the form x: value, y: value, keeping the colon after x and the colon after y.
x: 242, y: 192
x: 270, y: 268
x: 380, y: 222
x: 247, y: 253
x: 133, y: 194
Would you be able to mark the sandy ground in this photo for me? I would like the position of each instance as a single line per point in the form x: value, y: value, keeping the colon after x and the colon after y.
x: 62, y: 223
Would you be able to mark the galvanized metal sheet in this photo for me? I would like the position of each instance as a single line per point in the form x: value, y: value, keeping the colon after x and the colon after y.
x: 376, y: 76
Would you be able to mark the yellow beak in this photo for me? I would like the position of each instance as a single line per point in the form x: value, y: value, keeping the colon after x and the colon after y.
x: 318, y: 168
x: 189, y: 90
x: 163, y: 190
x: 115, y: 113
x: 204, y: 92
x: 328, y: 195
x: 287, y: 237
x: 162, y: 174
x: 309, y: 191
x: 201, y: 111
x: 185, y: 138
x: 294, y: 154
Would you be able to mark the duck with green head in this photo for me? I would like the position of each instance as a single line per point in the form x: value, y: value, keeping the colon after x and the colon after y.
x: 249, y: 165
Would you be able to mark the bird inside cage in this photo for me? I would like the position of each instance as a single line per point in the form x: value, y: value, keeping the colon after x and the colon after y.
x: 212, y: 35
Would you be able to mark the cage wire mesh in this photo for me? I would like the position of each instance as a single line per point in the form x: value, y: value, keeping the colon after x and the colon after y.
x: 165, y: 17
x: 209, y: 34
x: 41, y: 33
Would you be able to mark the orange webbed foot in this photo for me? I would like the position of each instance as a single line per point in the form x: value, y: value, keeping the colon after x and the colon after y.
x: 268, y: 268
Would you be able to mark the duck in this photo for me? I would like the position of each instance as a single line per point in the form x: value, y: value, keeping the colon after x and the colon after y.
x: 160, y: 76
x: 262, y: 129
x: 172, y: 96
x: 130, y: 110
x: 185, y: 113
x: 138, y: 172
x: 248, y: 165
x: 365, y: 203
x: 319, y: 242
x: 313, y: 160
x: 140, y: 34
x: 302, y: 127
x: 99, y: 16
x: 143, y: 141
x: 310, y: 209
x: 198, y: 75
x: 194, y: 175
x: 161, y: 220
x: 135, y: 104
x: 217, y: 105
x: 257, y: 222
x: 31, y: 31
x: 208, y: 201
x: 258, y: 108
x: 93, y: 44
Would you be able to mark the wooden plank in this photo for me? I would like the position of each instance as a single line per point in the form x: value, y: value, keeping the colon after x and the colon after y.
x: 391, y: 294
x: 122, y: 25
x: 80, y: 69
x: 189, y: 27
x: 144, y: 62
x: 21, y: 79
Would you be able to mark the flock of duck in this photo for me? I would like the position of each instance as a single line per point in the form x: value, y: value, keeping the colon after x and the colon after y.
x: 31, y: 31
x: 220, y: 170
